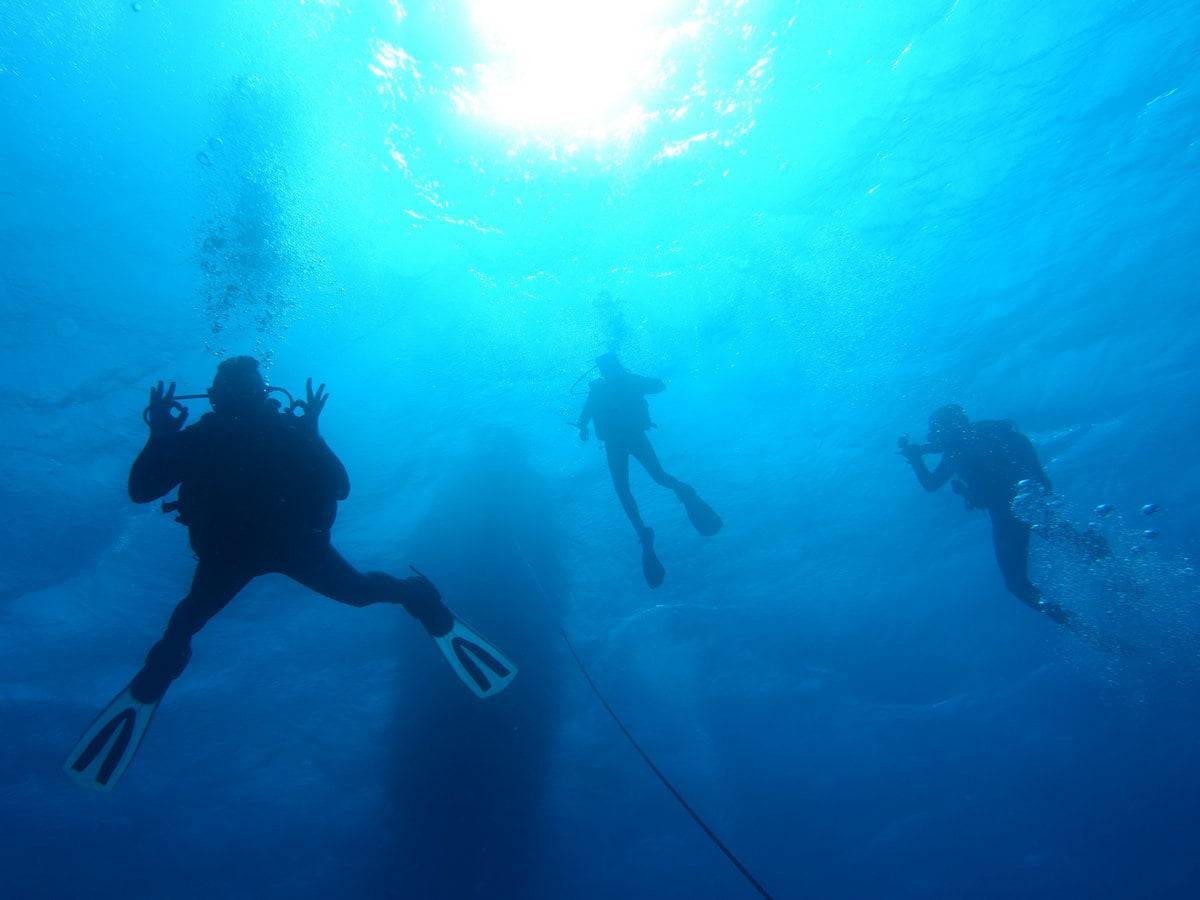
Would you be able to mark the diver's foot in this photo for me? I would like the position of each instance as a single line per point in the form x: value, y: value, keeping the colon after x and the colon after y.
x: 164, y: 663
x: 652, y: 569
x: 423, y: 602
x: 702, y: 516
x: 149, y: 685
x: 1055, y: 613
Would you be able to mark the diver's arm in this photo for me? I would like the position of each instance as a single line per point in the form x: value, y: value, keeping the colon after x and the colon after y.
x: 158, y: 467
x: 915, y: 454
x: 651, y: 385
x: 931, y: 481
x: 328, y: 468
x: 585, y: 416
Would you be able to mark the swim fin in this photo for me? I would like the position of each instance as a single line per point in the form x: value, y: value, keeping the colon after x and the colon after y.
x: 108, y: 745
x: 652, y: 569
x: 703, y: 517
x: 482, y: 668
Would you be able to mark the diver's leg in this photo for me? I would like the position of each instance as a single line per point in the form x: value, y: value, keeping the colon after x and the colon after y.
x: 702, y: 516
x: 618, y: 465
x: 1010, y: 537
x: 213, y: 586
x: 482, y: 667
x: 328, y: 573
x: 643, y: 452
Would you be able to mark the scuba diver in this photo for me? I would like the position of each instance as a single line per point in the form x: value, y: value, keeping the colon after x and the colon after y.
x: 258, y: 492
x: 990, y: 465
x: 617, y: 402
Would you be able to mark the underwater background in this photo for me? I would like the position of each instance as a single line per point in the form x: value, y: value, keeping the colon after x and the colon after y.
x: 817, y: 221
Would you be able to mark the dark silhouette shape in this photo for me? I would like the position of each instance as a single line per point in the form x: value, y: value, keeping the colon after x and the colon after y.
x: 990, y: 462
x: 617, y: 402
x: 469, y: 811
x: 258, y: 492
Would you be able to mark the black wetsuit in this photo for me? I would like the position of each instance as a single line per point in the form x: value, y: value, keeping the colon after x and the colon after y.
x: 991, y: 460
x: 258, y: 495
x: 618, y: 405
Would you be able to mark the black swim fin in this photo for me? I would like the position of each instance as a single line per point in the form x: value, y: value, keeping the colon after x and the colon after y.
x: 652, y: 569
x: 480, y: 666
x: 109, y: 744
x: 477, y: 663
x: 702, y: 516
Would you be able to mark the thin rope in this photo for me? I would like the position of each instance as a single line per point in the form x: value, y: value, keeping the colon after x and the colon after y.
x: 712, y: 835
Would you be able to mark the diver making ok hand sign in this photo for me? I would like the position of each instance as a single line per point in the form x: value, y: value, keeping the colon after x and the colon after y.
x: 258, y: 492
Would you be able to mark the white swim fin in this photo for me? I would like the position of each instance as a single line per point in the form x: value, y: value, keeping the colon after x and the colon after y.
x: 110, y: 742
x: 482, y: 668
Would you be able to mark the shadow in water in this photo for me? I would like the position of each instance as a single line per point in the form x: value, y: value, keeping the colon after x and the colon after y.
x: 465, y: 817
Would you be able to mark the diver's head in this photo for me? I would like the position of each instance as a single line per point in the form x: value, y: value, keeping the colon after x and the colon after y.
x: 948, y: 427
x: 238, y: 388
x: 609, y: 365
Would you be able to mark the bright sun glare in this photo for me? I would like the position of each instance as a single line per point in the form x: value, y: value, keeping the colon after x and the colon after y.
x: 573, y: 68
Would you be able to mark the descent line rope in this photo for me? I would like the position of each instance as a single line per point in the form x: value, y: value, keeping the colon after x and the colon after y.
x: 666, y: 782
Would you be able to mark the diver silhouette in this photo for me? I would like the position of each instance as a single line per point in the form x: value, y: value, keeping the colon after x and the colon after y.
x: 991, y: 464
x: 617, y: 402
x: 258, y: 492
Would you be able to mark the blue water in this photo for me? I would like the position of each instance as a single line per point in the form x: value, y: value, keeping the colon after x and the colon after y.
x: 817, y: 221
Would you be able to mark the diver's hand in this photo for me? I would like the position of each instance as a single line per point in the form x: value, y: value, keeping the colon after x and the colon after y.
x: 314, y: 403
x: 911, y: 452
x: 160, y: 413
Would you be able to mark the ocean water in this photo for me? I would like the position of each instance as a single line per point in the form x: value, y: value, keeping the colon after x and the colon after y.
x: 817, y: 221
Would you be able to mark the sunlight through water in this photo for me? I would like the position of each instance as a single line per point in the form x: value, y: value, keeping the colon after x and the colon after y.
x: 574, y: 68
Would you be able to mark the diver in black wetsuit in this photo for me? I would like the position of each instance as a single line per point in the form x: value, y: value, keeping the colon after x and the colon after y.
x: 617, y: 402
x: 990, y: 462
x: 258, y: 492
